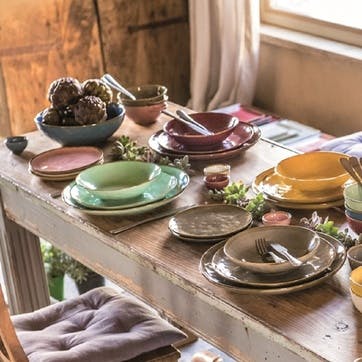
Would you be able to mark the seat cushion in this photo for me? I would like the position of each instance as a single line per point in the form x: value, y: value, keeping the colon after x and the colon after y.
x: 101, y: 325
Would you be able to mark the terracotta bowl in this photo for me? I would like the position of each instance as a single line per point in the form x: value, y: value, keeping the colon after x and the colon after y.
x: 355, y: 224
x: 221, y: 124
x: 147, y: 114
x: 313, y: 171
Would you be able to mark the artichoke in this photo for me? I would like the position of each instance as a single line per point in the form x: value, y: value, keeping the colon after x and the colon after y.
x: 52, y: 117
x: 95, y: 87
x: 89, y: 110
x: 64, y: 91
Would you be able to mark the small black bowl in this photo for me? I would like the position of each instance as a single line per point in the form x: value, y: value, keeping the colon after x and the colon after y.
x: 16, y: 144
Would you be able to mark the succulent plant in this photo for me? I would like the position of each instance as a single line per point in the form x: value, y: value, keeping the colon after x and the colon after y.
x: 52, y: 117
x: 95, y: 87
x: 64, y: 91
x: 89, y: 110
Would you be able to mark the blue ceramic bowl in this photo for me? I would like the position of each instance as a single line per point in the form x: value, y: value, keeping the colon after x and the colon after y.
x: 16, y: 144
x: 353, y: 214
x: 82, y: 135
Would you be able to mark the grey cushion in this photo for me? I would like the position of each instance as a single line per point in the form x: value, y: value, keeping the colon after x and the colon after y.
x: 99, y: 326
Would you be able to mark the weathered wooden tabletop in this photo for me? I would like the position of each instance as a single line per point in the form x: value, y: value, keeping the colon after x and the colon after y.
x: 319, y: 323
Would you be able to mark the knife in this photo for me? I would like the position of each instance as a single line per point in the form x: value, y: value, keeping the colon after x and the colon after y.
x: 161, y: 215
x: 282, y: 250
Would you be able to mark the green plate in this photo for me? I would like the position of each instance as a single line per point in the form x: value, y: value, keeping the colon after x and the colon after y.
x: 156, y: 191
x: 182, y: 181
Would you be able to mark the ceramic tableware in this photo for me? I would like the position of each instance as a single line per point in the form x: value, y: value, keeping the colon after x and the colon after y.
x: 207, y: 269
x: 82, y: 135
x: 65, y: 160
x: 353, y: 197
x: 16, y: 144
x: 242, y: 133
x: 182, y: 181
x: 313, y: 171
x: 119, y: 180
x: 156, y: 191
x: 355, y: 224
x: 220, y: 124
x: 146, y: 95
x: 319, y: 262
x: 301, y: 242
x: 210, y: 155
x: 277, y: 188
x: 276, y: 218
x: 354, y: 256
x: 210, y: 221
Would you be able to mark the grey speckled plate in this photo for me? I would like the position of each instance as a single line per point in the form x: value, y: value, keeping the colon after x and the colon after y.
x: 215, y: 221
x: 320, y: 261
x: 209, y: 272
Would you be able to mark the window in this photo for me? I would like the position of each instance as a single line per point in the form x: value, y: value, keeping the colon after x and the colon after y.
x: 339, y: 20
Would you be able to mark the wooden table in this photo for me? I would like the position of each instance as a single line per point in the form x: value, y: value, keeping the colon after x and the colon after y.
x: 319, y: 323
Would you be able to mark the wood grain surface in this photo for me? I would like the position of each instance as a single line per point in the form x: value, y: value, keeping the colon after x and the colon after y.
x: 319, y: 323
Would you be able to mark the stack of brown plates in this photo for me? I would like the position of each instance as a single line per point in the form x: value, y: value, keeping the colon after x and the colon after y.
x: 64, y: 163
x: 243, y: 137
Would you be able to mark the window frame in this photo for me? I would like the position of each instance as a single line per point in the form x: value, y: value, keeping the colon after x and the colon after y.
x: 321, y: 28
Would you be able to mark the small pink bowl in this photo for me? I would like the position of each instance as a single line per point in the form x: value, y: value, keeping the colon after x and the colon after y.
x: 276, y: 218
x: 355, y: 225
x: 216, y: 182
x: 221, y: 124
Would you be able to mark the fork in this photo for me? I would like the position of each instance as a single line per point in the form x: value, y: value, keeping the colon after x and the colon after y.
x: 266, y: 255
x: 282, y: 250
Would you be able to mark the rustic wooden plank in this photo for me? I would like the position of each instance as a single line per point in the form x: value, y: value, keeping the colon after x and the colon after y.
x: 147, y: 42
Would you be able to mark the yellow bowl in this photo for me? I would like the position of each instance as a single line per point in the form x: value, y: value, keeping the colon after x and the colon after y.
x: 313, y: 171
x: 355, y: 281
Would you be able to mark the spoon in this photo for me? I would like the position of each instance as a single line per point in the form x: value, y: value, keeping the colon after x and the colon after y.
x: 193, y: 126
x: 189, y: 119
x: 109, y: 80
x: 347, y: 166
x: 356, y: 166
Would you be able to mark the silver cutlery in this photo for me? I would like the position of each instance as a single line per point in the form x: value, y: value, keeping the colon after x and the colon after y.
x: 356, y: 166
x: 266, y: 255
x: 189, y: 120
x: 282, y: 250
x: 348, y: 167
x: 109, y: 80
x: 160, y: 215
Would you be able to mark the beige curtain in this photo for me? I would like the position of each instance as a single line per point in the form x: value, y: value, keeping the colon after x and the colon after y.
x: 224, y: 52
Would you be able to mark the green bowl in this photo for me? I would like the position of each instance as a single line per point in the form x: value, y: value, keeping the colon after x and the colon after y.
x: 119, y: 180
x: 353, y: 197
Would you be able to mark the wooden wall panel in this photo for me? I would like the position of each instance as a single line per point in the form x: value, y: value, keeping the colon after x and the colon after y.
x: 138, y: 41
x: 147, y: 42
x: 39, y: 42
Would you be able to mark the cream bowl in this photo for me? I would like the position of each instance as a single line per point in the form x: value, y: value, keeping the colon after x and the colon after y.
x: 353, y: 197
x: 119, y: 180
x: 300, y: 242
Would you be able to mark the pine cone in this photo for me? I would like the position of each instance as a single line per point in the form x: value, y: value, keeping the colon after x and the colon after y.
x: 64, y: 91
x: 89, y: 110
x: 95, y: 87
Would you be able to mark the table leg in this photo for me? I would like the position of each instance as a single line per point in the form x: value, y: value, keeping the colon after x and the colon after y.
x: 22, y: 267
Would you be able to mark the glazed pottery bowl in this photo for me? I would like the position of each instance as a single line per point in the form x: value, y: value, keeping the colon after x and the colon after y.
x: 82, y: 135
x: 313, y: 171
x: 353, y: 214
x: 276, y: 218
x: 353, y: 197
x: 146, y: 95
x: 16, y: 144
x: 301, y: 242
x: 354, y: 255
x: 355, y: 224
x: 355, y: 283
x: 221, y: 124
x: 119, y: 180
x: 145, y: 115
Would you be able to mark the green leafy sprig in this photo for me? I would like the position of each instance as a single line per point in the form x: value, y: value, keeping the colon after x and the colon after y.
x: 316, y: 222
x: 236, y: 194
x: 126, y: 149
